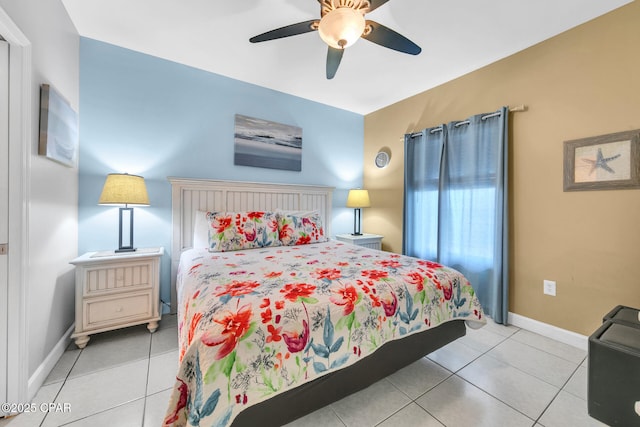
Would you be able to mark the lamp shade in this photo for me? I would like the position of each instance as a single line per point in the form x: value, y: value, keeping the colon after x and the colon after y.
x: 358, y: 199
x: 124, y: 189
x: 341, y: 27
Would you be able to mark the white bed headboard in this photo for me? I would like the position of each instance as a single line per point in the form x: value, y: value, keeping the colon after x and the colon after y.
x: 189, y: 195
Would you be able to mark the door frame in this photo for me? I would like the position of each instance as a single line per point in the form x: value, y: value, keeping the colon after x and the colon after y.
x: 4, y: 214
x: 20, y: 149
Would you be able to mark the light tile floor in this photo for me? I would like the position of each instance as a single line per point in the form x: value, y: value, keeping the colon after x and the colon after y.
x: 495, y: 376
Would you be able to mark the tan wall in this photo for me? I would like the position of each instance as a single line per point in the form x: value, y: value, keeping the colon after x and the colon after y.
x: 582, y: 83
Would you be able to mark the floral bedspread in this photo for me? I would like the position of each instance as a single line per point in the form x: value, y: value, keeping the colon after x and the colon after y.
x: 258, y: 322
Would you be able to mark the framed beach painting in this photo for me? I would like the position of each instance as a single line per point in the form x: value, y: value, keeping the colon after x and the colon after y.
x: 58, y: 128
x: 605, y: 162
x: 265, y: 144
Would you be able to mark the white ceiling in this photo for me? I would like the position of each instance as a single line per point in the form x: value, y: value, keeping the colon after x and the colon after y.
x: 456, y: 36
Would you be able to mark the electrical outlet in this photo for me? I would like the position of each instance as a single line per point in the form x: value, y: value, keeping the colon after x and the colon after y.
x: 549, y: 287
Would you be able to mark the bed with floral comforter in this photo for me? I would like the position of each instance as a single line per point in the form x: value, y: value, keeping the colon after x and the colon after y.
x: 256, y: 323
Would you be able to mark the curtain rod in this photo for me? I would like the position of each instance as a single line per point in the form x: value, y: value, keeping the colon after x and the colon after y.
x: 516, y: 109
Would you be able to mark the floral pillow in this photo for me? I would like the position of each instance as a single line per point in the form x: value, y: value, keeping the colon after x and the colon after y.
x: 300, y: 230
x: 231, y: 231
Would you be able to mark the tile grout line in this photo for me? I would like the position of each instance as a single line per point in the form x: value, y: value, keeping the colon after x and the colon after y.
x: 545, y: 351
x: 412, y: 400
x: 395, y: 412
x: 146, y: 385
x: 64, y: 381
x: 99, y: 412
x: 497, y: 398
x: 337, y: 415
x: 550, y: 354
x: 482, y: 353
x: 431, y: 389
x: 559, y: 391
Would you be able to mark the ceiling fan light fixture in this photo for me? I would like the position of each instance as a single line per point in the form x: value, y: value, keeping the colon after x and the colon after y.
x: 341, y: 27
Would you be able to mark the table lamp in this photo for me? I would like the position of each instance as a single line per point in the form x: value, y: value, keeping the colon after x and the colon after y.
x: 124, y: 189
x: 357, y: 199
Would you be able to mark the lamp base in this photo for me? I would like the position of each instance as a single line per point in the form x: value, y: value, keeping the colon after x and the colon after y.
x: 125, y: 242
x: 125, y: 250
x: 357, y: 220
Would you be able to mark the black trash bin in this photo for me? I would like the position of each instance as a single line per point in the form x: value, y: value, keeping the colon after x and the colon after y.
x: 624, y: 314
x: 614, y: 374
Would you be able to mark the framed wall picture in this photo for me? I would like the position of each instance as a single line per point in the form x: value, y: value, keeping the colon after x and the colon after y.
x: 58, y: 128
x: 605, y: 162
x: 265, y: 144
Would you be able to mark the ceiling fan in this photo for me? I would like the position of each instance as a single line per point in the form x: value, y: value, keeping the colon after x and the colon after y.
x: 341, y: 24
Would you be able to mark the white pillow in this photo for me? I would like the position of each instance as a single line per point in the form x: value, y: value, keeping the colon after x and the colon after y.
x: 201, y: 230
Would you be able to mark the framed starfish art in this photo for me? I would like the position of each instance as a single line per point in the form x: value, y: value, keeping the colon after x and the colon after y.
x: 605, y: 162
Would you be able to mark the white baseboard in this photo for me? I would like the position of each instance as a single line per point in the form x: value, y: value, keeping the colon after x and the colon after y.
x: 550, y: 331
x: 40, y: 375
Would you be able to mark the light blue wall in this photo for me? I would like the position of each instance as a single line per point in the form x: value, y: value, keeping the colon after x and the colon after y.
x: 144, y: 115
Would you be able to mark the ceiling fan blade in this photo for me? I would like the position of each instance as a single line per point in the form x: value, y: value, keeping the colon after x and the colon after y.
x: 376, y: 4
x: 287, y: 31
x: 334, y: 56
x: 386, y: 37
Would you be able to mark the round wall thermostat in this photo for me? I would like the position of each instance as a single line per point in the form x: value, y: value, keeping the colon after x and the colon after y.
x: 382, y: 159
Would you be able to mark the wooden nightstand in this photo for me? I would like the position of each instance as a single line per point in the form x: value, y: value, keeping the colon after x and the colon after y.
x: 116, y: 290
x: 373, y: 241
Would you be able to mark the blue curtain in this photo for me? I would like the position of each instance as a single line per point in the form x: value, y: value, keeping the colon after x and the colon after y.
x: 423, y: 156
x: 455, y: 203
